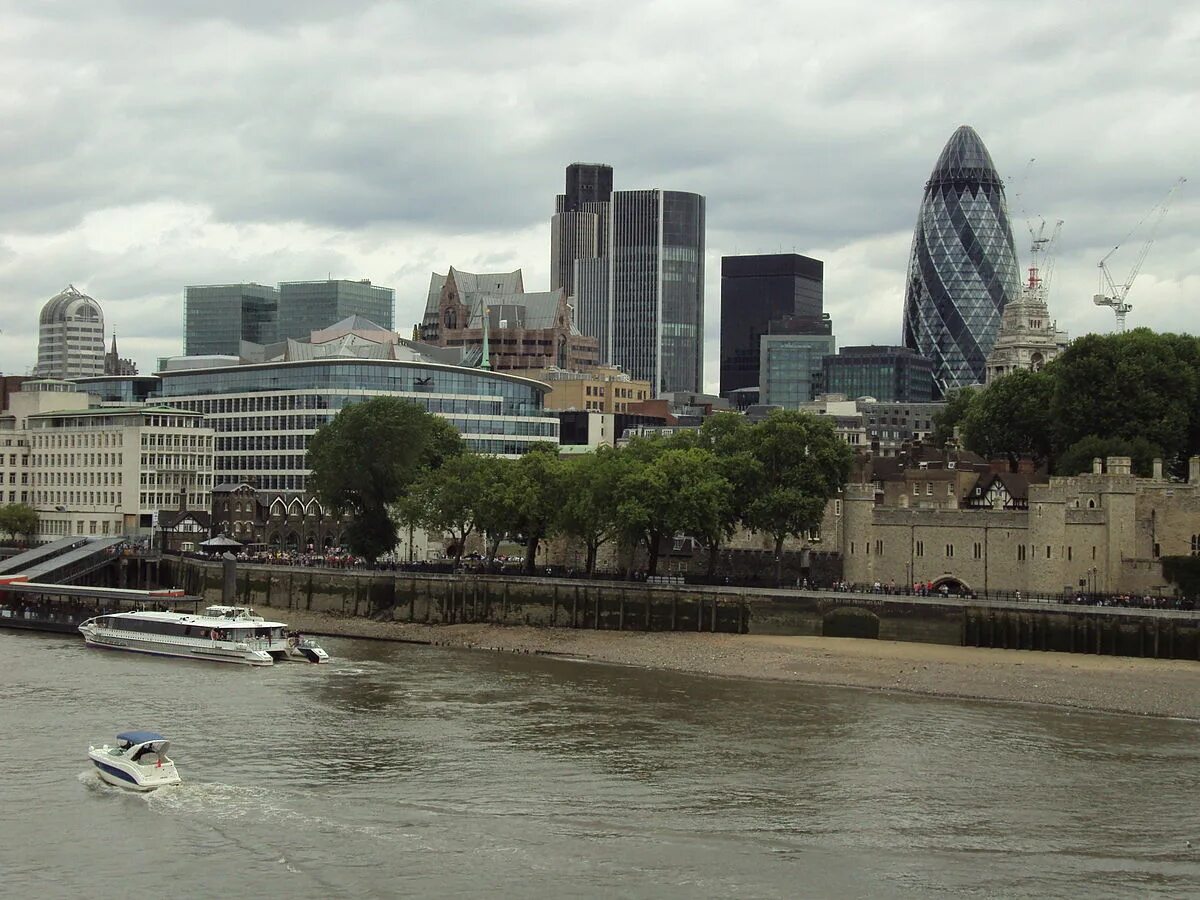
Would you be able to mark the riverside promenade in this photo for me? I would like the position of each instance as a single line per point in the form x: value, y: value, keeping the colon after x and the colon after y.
x: 436, y: 599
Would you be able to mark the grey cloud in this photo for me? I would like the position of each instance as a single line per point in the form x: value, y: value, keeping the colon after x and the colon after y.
x: 447, y: 126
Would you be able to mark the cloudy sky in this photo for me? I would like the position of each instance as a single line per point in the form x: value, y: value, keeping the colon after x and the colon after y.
x: 150, y: 144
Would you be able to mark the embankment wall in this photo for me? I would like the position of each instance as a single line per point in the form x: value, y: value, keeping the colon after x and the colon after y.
x: 446, y: 599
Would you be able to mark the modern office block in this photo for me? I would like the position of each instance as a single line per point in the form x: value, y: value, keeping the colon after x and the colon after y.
x: 70, y: 336
x: 308, y: 306
x: 759, y: 290
x: 893, y: 374
x: 789, y: 366
x: 218, y: 317
x: 266, y: 405
x: 962, y: 271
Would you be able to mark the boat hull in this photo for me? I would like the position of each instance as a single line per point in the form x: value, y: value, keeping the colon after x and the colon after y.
x: 209, y: 652
x: 122, y: 777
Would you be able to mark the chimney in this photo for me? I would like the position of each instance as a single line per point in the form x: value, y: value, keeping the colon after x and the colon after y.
x: 1026, y: 467
x: 1194, y: 470
x: 1097, y: 466
x: 1158, y: 470
x: 1119, y: 465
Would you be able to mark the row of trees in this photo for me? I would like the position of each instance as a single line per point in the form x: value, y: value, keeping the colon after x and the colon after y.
x: 1135, y: 394
x: 393, y: 465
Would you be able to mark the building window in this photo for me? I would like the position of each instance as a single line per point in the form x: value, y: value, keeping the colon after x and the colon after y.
x: 1047, y: 551
x: 1020, y: 553
x: 929, y: 489
x: 920, y: 549
x: 852, y: 548
x: 1069, y: 553
x: 978, y: 550
x: 878, y: 547
x: 1195, y: 546
x: 949, y: 551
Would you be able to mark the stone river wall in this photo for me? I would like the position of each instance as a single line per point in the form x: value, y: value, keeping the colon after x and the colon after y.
x: 614, y: 605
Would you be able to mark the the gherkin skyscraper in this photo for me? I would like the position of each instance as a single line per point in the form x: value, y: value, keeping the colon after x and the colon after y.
x: 963, y: 267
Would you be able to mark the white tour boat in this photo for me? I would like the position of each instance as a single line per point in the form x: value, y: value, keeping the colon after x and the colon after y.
x: 231, y: 634
x: 138, y: 762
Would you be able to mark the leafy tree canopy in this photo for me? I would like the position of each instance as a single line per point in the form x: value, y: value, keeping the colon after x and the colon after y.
x: 1133, y: 385
x: 1077, y: 458
x: 949, y: 418
x: 18, y: 518
x: 1011, y: 418
x: 368, y: 457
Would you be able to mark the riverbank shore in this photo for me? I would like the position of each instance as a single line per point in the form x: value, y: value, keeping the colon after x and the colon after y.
x: 1145, y: 687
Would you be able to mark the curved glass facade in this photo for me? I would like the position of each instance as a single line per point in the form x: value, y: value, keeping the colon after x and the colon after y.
x: 264, y: 414
x: 963, y: 266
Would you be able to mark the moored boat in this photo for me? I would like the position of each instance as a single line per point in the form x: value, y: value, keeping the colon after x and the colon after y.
x: 230, y: 634
x: 138, y: 762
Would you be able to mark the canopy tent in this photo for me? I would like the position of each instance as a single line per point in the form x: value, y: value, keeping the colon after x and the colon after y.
x: 220, y: 542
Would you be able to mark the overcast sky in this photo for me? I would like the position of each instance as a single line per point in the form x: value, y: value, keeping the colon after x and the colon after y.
x: 150, y: 144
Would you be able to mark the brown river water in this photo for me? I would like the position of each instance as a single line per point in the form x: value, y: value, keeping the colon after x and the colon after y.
x: 422, y: 771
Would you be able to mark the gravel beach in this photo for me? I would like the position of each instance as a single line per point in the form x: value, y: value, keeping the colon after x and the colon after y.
x: 1146, y: 687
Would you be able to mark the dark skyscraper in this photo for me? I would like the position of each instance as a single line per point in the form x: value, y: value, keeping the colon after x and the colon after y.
x: 587, y: 183
x: 756, y: 291
x: 885, y: 373
x: 963, y: 266
x: 579, y: 229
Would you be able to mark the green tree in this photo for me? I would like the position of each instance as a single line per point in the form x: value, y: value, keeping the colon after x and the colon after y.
x: 729, y: 437
x: 1136, y: 384
x: 668, y: 491
x: 1077, y: 458
x: 368, y: 457
x: 537, y: 488
x: 804, y: 464
x: 1010, y: 419
x: 499, y: 501
x: 590, y: 493
x: 944, y: 422
x: 18, y: 518
x: 451, y: 497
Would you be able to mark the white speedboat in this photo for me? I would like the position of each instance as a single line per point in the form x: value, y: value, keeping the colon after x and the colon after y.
x: 138, y: 762
x: 304, y: 649
x: 231, y: 634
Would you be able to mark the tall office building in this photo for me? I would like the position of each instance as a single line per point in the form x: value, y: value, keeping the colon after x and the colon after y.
x: 70, y: 336
x: 578, y: 229
x: 759, y: 290
x: 218, y: 317
x: 963, y: 267
x: 308, y: 306
x: 642, y: 295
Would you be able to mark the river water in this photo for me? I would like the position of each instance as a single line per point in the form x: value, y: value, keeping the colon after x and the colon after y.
x: 401, y: 769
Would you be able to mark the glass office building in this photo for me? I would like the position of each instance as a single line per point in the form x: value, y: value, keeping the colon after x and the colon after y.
x: 636, y: 276
x: 963, y: 266
x: 218, y: 317
x: 265, y: 413
x: 894, y: 374
x: 790, y: 367
x: 308, y: 306
x: 757, y: 291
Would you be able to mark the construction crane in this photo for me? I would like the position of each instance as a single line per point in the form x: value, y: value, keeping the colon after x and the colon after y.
x: 1040, y: 247
x: 1113, y: 295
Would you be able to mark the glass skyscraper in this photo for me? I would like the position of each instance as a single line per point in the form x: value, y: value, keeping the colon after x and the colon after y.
x: 308, y: 306
x: 218, y: 317
x: 963, y: 266
x: 643, y: 299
